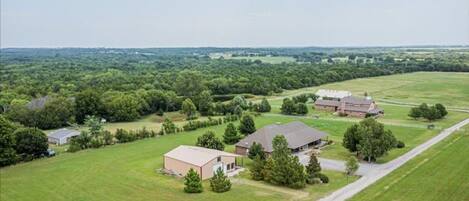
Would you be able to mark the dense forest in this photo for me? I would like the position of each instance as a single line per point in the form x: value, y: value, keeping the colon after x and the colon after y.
x: 50, y: 88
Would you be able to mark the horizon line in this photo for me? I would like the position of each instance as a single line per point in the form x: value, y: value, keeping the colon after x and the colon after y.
x: 241, y: 47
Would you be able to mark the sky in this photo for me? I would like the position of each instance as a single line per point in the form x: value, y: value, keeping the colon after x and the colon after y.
x: 234, y: 23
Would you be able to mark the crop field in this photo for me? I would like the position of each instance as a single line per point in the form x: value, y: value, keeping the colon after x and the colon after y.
x: 266, y: 59
x: 440, y: 173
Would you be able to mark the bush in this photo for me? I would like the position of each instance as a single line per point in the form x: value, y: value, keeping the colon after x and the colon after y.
x: 400, y: 144
x: 324, y: 178
x: 192, y: 182
x: 194, y: 125
x: 230, y: 118
x: 219, y: 182
x: 74, y: 147
x: 124, y: 136
x: 313, y: 180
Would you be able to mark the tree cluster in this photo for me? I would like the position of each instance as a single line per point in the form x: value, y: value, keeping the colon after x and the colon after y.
x: 289, y: 107
x: 431, y: 113
x: 282, y: 168
x: 209, y: 140
x: 18, y: 143
x: 369, y: 139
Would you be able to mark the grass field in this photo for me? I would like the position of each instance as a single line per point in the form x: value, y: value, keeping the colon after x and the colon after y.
x: 412, y: 136
x: 441, y: 173
x: 128, y: 172
x: 450, y: 89
x: 265, y: 59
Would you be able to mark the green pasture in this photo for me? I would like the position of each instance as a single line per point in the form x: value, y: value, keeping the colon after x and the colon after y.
x: 440, y: 173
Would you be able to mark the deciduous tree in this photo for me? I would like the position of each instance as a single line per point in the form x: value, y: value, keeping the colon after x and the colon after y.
x: 189, y: 109
x: 30, y: 142
x: 7, y: 142
x: 351, y: 166
x: 209, y: 140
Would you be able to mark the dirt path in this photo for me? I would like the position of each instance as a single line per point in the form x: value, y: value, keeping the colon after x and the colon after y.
x: 295, y: 194
x: 384, y: 169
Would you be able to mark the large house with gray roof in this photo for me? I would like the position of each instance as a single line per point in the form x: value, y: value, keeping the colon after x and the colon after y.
x: 62, y: 136
x: 350, y: 106
x: 299, y: 137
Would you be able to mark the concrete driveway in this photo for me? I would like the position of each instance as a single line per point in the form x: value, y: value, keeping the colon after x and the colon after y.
x: 337, y: 165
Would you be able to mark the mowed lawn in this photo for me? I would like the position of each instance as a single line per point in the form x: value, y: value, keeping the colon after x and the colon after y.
x: 128, y: 172
x: 411, y: 136
x: 440, y: 173
x: 448, y: 88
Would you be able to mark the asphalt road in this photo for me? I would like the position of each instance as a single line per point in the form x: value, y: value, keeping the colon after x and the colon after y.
x: 372, y: 173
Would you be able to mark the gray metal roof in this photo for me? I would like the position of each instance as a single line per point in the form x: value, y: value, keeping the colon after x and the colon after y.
x: 327, y: 102
x: 63, y: 133
x: 297, y: 134
x: 355, y: 100
x: 333, y: 93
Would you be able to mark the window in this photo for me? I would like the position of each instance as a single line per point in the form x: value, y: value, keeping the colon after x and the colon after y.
x: 228, y: 167
x: 232, y: 165
x: 219, y: 159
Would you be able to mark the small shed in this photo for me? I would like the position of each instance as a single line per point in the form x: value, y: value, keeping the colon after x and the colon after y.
x: 62, y: 136
x: 204, y: 161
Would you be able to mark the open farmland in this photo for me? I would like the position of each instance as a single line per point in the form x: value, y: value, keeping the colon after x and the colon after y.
x: 438, y: 174
x: 450, y: 89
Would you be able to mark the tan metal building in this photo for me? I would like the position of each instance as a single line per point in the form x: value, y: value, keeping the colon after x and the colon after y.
x: 204, y: 161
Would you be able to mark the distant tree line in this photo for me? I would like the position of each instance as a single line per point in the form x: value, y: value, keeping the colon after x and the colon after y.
x: 83, y: 82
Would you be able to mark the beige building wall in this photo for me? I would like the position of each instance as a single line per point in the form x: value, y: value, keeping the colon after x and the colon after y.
x: 179, y: 167
x: 207, y: 169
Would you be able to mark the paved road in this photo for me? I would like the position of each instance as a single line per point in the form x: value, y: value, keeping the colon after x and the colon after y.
x: 380, y: 171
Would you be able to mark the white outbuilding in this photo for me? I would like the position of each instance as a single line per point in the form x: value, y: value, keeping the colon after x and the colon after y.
x: 332, y: 94
x: 62, y: 136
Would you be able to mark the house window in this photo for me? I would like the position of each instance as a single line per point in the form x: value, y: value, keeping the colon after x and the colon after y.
x: 232, y: 165
x: 228, y: 167
x: 219, y: 159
